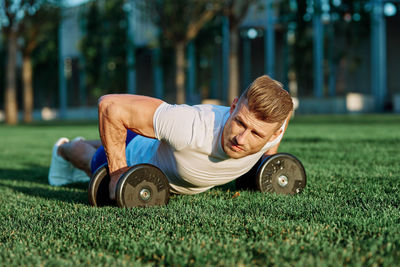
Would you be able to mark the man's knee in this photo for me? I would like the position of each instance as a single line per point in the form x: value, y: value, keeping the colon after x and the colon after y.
x: 78, y: 152
x: 73, y: 148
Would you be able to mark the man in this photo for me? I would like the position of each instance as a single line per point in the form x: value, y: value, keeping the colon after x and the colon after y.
x: 197, y: 147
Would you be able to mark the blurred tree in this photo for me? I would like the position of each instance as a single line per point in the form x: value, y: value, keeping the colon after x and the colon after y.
x: 347, y: 29
x: 10, y: 31
x: 3, y: 58
x: 302, y: 48
x: 235, y: 11
x: 346, y: 25
x: 34, y: 30
x: 104, y: 47
x: 114, y: 45
x: 208, y: 50
x: 180, y: 21
x: 91, y: 48
x: 17, y: 17
x: 44, y: 59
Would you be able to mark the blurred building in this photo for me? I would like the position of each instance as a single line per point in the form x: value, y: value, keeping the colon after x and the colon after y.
x: 348, y: 63
x: 140, y: 33
x: 350, y: 85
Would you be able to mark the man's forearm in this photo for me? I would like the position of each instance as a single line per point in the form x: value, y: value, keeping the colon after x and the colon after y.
x: 112, y: 134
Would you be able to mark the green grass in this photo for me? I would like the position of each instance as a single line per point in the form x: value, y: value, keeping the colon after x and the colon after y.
x: 348, y: 214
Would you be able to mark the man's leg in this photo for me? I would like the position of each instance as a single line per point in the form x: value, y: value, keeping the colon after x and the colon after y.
x: 80, y: 153
x: 76, y: 160
x: 87, y: 155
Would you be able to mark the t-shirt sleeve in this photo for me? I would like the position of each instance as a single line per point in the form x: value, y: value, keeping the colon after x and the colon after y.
x: 174, y: 124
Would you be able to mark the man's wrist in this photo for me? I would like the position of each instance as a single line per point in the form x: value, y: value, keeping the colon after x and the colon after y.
x: 115, y: 175
x: 269, y: 153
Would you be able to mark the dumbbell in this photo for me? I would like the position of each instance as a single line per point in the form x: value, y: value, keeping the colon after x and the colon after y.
x: 281, y: 173
x: 142, y: 185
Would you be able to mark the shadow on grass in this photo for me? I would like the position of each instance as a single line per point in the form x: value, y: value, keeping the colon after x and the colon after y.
x: 31, y: 173
x: 62, y: 194
x: 35, y: 178
x: 32, y: 181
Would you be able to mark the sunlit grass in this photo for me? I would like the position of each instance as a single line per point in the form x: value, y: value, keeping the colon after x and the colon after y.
x: 348, y: 214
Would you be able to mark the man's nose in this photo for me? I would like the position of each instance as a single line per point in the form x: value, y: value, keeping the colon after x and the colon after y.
x: 241, y: 138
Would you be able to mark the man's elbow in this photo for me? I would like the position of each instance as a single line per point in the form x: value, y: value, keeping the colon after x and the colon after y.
x: 108, y: 105
x: 105, y: 101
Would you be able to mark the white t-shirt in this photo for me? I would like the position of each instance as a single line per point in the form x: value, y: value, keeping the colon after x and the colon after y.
x: 188, y: 148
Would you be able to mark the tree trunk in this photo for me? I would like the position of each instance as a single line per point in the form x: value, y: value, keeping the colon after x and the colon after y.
x: 180, y: 73
x: 28, y: 88
x: 233, y: 65
x: 11, y: 90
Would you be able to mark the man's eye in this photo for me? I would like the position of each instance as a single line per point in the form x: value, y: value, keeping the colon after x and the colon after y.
x: 256, y: 134
x: 239, y: 122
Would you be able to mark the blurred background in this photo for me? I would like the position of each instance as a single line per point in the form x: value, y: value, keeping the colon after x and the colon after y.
x: 334, y: 56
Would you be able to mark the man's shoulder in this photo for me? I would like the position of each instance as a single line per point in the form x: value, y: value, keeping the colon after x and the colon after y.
x: 212, y: 108
x: 211, y: 113
x: 181, y: 125
x: 190, y: 116
x: 184, y: 111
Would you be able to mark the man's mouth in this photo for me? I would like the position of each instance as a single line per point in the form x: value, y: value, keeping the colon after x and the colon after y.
x: 235, y: 147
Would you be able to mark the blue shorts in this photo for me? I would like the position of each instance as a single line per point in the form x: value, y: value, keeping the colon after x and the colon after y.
x: 99, y: 158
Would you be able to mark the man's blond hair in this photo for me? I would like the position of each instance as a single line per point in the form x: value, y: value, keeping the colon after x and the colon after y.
x: 267, y: 99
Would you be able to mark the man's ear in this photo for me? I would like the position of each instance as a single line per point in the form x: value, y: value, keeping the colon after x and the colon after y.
x: 275, y: 134
x: 233, y: 105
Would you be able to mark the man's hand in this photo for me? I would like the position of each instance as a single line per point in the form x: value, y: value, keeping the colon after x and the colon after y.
x: 114, y: 177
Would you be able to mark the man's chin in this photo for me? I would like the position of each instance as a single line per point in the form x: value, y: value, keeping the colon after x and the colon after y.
x: 236, y: 154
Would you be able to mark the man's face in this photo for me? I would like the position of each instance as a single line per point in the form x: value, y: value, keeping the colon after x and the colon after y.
x: 244, y: 134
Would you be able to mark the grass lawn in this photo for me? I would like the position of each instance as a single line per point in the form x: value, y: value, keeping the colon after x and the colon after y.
x: 347, y: 215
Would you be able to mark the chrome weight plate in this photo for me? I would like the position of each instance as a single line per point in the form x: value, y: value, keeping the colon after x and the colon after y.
x: 143, y: 185
x: 281, y: 173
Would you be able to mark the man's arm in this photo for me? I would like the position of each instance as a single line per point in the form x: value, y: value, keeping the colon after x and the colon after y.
x: 274, y: 149
x: 117, y: 113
